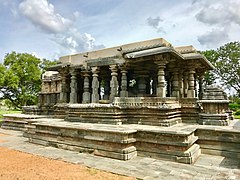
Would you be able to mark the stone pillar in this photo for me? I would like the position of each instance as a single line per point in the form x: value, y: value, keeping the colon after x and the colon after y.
x: 95, y: 85
x: 124, y: 92
x: 191, y: 90
x: 141, y: 85
x: 175, y: 85
x: 73, y: 86
x: 113, y: 83
x: 161, y: 90
x: 154, y: 86
x: 201, y: 77
x: 63, y: 93
x: 86, y: 93
x: 180, y: 83
x: 106, y: 89
x: 148, y: 85
x: 185, y: 83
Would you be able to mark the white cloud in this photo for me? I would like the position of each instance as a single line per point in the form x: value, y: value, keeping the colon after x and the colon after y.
x: 213, y: 38
x: 43, y: 14
x: 220, y: 13
x: 155, y: 23
x: 63, y: 30
x: 223, y: 17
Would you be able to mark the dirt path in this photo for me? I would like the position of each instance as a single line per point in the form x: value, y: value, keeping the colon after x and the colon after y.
x: 18, y: 165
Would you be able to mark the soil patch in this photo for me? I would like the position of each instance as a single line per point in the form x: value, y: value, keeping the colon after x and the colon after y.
x: 19, y: 165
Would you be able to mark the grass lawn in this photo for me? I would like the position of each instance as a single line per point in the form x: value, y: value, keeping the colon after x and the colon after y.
x: 8, y: 112
x: 236, y: 117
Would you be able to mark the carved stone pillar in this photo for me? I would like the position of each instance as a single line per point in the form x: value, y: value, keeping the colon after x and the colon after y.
x: 161, y: 62
x: 175, y: 85
x: 113, y: 83
x: 185, y: 83
x: 73, y: 86
x: 161, y: 90
x: 63, y: 93
x: 154, y: 85
x: 124, y: 92
x: 141, y: 85
x: 201, y: 77
x: 106, y: 88
x: 86, y: 93
x: 180, y: 83
x: 95, y: 85
x: 191, y: 90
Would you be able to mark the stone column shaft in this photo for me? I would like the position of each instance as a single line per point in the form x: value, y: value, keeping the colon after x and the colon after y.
x: 201, y: 77
x: 63, y: 93
x: 191, y: 90
x: 142, y: 86
x: 86, y: 93
x: 113, y: 83
x: 124, y: 92
x: 185, y: 83
x: 95, y: 85
x: 175, y: 84
x: 161, y: 90
x: 73, y: 86
x: 180, y: 84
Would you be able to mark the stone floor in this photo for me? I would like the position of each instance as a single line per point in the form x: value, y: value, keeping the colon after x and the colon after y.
x: 207, y: 166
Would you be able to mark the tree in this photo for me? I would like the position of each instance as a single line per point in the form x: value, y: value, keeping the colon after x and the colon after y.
x: 226, y: 60
x: 20, y: 79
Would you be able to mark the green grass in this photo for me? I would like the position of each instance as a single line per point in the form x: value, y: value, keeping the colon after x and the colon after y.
x: 236, y: 116
x: 8, y: 112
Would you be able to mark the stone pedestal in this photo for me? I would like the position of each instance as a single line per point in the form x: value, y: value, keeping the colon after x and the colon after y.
x: 214, y: 107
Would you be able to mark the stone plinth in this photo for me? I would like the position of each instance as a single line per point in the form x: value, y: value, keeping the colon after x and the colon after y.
x: 220, y: 141
x: 167, y: 144
x: 102, y: 140
x: 17, y: 122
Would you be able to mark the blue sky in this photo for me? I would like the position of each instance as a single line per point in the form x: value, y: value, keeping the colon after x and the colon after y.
x: 53, y: 28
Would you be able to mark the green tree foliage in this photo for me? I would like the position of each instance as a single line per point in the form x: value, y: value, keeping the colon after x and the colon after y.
x: 226, y: 60
x: 20, y: 78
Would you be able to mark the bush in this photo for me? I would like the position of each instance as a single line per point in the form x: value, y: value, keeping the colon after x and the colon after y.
x: 234, y: 106
x: 237, y: 112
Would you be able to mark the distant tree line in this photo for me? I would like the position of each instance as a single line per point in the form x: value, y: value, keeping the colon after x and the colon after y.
x: 226, y: 60
x: 20, y: 78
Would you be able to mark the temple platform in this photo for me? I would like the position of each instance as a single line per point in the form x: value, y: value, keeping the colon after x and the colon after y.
x: 179, y: 143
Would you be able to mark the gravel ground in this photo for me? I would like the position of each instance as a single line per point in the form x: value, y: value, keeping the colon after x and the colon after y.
x: 19, y: 165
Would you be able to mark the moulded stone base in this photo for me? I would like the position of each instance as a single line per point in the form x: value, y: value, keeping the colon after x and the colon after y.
x: 213, y: 119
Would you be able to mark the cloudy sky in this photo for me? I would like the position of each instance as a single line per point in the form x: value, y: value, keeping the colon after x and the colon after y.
x: 52, y: 28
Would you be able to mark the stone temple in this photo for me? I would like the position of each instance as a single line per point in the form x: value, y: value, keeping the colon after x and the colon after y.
x: 145, y: 98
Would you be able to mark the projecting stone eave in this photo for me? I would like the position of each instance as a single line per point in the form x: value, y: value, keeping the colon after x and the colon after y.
x: 201, y: 58
x: 82, y: 58
x: 190, y: 53
x: 154, y: 51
